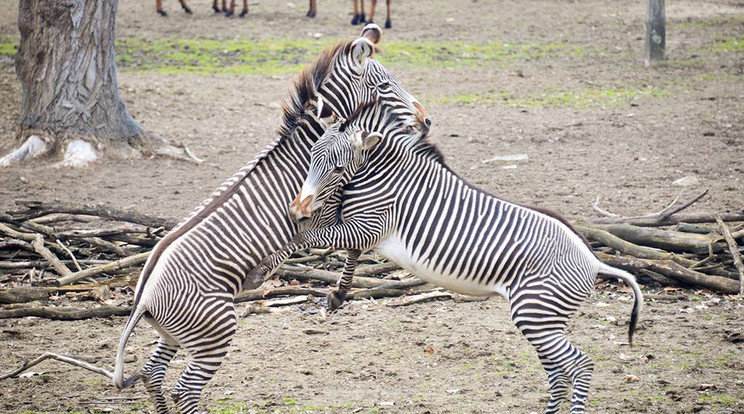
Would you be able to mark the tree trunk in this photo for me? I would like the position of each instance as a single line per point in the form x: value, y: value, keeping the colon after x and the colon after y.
x: 66, y: 65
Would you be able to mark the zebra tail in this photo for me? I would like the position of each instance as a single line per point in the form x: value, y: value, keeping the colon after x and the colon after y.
x: 609, y: 271
x: 119, y: 380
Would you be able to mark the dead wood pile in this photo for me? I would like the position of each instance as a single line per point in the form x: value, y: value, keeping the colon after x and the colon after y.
x: 53, y: 254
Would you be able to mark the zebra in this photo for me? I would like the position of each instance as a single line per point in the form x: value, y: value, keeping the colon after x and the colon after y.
x: 187, y: 287
x: 399, y: 197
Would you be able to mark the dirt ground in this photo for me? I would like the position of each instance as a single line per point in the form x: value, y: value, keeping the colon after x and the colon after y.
x: 682, y: 118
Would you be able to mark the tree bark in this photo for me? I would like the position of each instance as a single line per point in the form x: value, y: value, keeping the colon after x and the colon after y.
x: 71, y: 103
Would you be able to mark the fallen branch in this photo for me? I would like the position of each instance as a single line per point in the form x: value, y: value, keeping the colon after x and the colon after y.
x: 110, y: 267
x: 645, y: 221
x: 259, y: 294
x: 63, y: 358
x: 65, y: 314
x: 666, y: 239
x: 310, y: 273
x: 376, y: 269
x: 624, y: 246
x: 660, y: 216
x: 410, y: 300
x: 673, y: 270
x: 734, y: 249
x: 36, y: 209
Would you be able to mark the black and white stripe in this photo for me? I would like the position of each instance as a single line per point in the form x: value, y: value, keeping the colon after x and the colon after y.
x: 187, y: 287
x: 400, y: 198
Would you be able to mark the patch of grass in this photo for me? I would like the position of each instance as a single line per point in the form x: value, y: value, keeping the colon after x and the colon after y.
x: 573, y: 98
x: 230, y: 407
x: 8, y: 48
x: 718, y: 399
x: 285, y: 56
x: 461, y: 54
x: 729, y: 45
x: 290, y: 401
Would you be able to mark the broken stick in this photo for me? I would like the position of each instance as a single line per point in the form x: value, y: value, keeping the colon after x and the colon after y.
x: 734, y: 248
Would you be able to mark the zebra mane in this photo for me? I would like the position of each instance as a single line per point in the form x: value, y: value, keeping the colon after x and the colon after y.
x: 300, y: 95
x: 380, y: 110
x: 429, y: 149
x: 305, y: 88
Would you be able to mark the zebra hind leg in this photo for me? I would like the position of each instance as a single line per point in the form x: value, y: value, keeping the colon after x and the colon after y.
x: 566, y: 366
x: 538, y: 318
x: 154, y: 370
x: 207, y: 353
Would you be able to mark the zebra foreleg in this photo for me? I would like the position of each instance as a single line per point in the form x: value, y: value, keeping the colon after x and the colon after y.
x: 336, y: 298
x: 154, y: 371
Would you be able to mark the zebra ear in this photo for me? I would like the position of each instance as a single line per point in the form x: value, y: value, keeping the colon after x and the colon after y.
x: 372, y: 32
x: 322, y: 111
x: 370, y: 140
x: 361, y: 50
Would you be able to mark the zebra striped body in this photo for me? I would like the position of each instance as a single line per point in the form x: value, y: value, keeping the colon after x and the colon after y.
x: 187, y: 287
x: 400, y: 198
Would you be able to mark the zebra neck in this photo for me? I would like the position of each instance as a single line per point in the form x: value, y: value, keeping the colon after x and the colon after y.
x: 245, y: 219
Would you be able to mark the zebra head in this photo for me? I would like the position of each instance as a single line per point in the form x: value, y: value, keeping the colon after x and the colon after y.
x: 357, y: 78
x: 344, y: 147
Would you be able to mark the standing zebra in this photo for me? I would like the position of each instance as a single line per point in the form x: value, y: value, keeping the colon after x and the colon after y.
x: 400, y: 198
x: 187, y: 287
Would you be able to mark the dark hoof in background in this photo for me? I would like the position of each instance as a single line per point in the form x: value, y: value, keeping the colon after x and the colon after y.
x: 355, y: 21
x: 162, y: 13
x: 388, y: 25
x: 229, y: 13
x: 334, y: 302
x: 243, y: 13
x: 216, y: 9
x: 310, y: 14
x: 187, y: 10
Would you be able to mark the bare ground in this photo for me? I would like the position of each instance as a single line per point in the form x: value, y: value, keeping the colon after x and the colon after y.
x: 372, y: 358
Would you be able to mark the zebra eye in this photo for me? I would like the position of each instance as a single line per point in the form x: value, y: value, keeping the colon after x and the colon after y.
x: 384, y: 85
x: 338, y: 170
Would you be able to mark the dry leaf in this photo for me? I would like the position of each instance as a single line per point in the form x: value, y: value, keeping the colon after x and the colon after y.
x: 631, y: 378
x: 429, y: 350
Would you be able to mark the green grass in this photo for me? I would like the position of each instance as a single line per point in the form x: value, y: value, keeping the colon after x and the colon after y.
x: 8, y: 47
x: 729, y: 45
x: 285, y: 56
x: 573, y: 98
x: 718, y: 399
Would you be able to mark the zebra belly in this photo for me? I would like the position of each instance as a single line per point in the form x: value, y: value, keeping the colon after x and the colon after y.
x: 395, y: 250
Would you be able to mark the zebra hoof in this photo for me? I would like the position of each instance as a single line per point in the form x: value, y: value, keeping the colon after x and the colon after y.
x: 243, y: 13
x: 334, y: 301
x: 187, y: 10
x: 388, y: 25
x: 162, y: 13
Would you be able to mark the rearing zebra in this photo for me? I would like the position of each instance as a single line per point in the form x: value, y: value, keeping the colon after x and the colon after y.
x: 401, y: 199
x: 187, y: 287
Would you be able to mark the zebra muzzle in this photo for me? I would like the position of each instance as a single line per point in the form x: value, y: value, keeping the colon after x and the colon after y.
x: 300, y: 209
